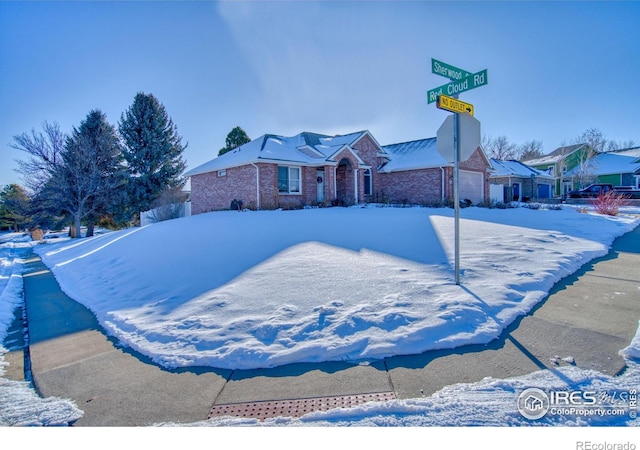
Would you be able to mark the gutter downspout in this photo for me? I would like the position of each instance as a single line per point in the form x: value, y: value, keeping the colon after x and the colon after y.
x: 257, y: 186
x: 443, y: 185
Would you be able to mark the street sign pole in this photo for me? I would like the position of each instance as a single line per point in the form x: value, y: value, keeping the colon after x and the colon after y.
x: 461, y: 81
x: 456, y: 197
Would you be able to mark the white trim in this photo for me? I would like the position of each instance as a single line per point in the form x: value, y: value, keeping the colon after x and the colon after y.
x: 289, y: 178
x: 367, y: 133
x: 346, y: 147
x: 355, y: 184
x: 279, y: 162
x: 257, y: 186
x: 406, y: 169
x: 370, y: 183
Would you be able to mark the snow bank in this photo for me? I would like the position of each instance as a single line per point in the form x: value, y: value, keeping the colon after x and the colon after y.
x: 19, y: 403
x: 487, y: 403
x: 13, y: 247
x: 261, y: 289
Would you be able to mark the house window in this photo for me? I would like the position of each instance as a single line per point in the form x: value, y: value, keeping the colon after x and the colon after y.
x: 222, y: 173
x: 367, y: 182
x: 288, y: 180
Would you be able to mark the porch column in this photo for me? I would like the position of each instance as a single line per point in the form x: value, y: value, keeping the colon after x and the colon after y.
x: 355, y: 185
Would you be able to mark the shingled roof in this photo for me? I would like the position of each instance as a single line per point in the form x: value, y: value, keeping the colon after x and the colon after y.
x: 555, y: 156
x: 304, y: 148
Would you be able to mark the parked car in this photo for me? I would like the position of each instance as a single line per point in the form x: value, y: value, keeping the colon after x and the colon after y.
x: 595, y: 190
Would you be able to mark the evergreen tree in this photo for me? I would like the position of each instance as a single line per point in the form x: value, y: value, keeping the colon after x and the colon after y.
x: 14, y: 207
x: 89, y: 180
x: 235, y: 138
x: 152, y: 151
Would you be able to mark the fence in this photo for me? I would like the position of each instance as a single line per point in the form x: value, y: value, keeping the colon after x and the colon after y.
x: 165, y: 212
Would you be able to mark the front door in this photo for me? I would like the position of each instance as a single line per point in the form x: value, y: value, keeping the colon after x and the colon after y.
x: 320, y: 186
x: 516, y: 192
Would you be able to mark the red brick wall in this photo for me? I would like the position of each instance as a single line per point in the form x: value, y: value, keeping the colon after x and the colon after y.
x: 423, y: 186
x: 268, y: 186
x: 210, y: 192
x: 476, y: 162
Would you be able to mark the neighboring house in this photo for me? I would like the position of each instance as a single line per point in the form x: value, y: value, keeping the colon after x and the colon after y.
x: 314, y: 169
x: 562, y: 160
x: 619, y: 168
x: 519, y: 182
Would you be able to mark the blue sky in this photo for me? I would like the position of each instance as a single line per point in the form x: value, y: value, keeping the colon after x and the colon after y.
x: 554, y: 68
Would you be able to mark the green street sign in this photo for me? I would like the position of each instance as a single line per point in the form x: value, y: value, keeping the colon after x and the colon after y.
x: 448, y: 71
x: 456, y: 87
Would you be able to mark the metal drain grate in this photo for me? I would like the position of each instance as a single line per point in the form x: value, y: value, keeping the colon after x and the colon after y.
x: 295, y: 408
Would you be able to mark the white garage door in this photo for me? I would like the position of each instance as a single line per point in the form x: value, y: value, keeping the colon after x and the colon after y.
x: 471, y: 186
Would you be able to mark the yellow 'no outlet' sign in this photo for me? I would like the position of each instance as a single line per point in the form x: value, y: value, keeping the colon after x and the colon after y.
x: 454, y: 105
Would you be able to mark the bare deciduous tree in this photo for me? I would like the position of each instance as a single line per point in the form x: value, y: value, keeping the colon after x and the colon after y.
x: 44, y: 149
x: 619, y: 145
x: 499, y: 148
x: 594, y: 138
x: 530, y: 150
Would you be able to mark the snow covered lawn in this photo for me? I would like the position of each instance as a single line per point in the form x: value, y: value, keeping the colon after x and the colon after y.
x: 264, y: 288
x: 261, y: 289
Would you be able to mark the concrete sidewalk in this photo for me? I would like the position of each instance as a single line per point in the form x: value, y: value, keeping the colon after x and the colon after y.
x: 589, y: 316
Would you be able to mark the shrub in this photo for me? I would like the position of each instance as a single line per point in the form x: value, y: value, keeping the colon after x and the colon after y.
x: 609, y: 203
x: 236, y: 205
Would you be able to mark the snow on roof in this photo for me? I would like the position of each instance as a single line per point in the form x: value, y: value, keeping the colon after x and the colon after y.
x: 303, y: 148
x: 329, y: 145
x: 610, y: 163
x: 633, y: 151
x: 502, y: 168
x: 555, y: 156
x: 420, y: 154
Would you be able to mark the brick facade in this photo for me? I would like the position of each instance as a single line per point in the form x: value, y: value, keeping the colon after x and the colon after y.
x: 422, y: 186
x: 477, y: 162
x: 216, y: 190
x: 212, y: 191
